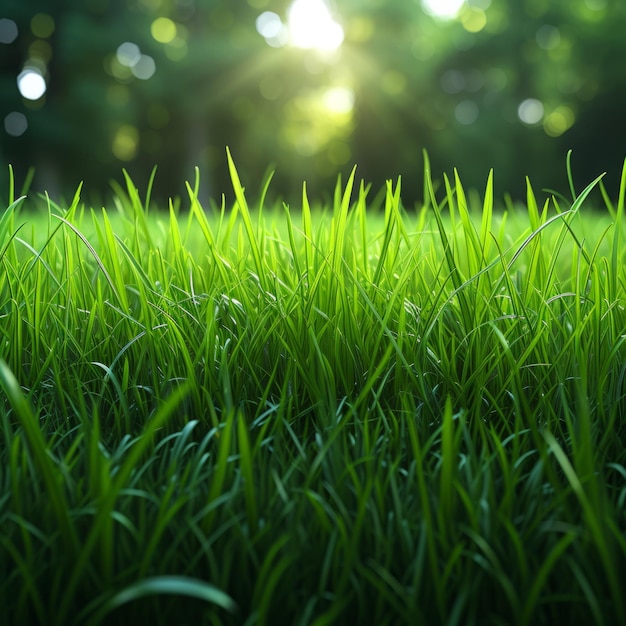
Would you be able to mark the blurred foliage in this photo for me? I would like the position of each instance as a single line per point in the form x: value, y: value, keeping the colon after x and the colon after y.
x: 402, y: 80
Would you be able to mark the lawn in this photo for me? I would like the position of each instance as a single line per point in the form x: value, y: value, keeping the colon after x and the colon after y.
x: 361, y: 414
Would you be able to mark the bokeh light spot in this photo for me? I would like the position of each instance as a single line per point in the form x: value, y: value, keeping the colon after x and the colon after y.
x: 548, y: 37
x: 466, y: 112
x: 271, y: 28
x: 339, y: 100
x: 125, y: 143
x: 40, y: 49
x: 144, y: 68
x: 361, y: 29
x: 422, y: 49
x: 36, y: 64
x: 176, y: 49
x: 452, y: 81
x: 558, y: 121
x: 496, y: 79
x: 474, y: 20
x: 128, y: 54
x: 42, y: 25
x: 8, y: 31
x: 530, y: 111
x: 15, y: 124
x: 475, y: 80
x: 113, y: 67
x: 311, y: 26
x: 268, y: 24
x: 31, y: 84
x: 443, y: 9
x: 305, y: 143
x: 163, y: 30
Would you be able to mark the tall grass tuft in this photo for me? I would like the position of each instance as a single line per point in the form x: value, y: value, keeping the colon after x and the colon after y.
x: 260, y: 415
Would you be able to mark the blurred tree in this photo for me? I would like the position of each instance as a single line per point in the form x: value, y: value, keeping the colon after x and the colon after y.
x: 310, y: 87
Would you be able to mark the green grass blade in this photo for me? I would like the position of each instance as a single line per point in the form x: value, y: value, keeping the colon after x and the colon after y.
x: 164, y: 585
x: 41, y: 457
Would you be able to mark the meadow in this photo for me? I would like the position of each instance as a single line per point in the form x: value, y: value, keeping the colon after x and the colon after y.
x: 359, y: 413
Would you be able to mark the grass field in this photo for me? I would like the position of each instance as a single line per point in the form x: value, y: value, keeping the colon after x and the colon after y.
x: 265, y: 415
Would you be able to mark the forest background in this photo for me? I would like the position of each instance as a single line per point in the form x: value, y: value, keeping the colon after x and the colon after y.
x: 309, y: 88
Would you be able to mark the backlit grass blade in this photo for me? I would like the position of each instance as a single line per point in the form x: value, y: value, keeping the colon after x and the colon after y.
x: 487, y: 219
x: 618, y: 237
x: 467, y: 312
x: 11, y: 185
x: 474, y: 250
x: 8, y: 232
x: 8, y: 218
x: 392, y: 200
x: 198, y: 213
x: 139, y: 210
x: 307, y: 231
x: 109, y: 245
x: 245, y: 214
x: 94, y: 254
x: 570, y: 178
x: 340, y: 219
x: 381, y: 416
x: 427, y: 173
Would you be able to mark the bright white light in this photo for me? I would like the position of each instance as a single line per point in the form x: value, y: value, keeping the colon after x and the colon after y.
x: 270, y: 26
x: 31, y: 84
x: 128, y: 54
x: 311, y: 26
x: 530, y: 111
x: 444, y: 9
x: 339, y: 100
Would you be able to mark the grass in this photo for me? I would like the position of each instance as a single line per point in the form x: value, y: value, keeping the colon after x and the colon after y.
x: 290, y: 416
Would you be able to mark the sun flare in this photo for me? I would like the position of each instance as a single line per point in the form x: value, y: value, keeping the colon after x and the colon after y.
x: 312, y: 26
x: 444, y: 9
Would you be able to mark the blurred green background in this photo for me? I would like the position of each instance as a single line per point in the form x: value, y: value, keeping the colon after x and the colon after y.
x: 308, y: 88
